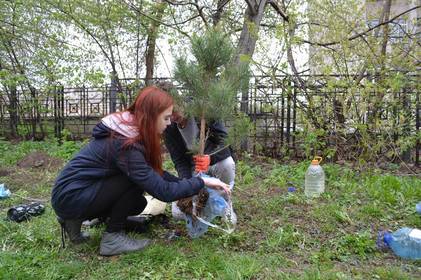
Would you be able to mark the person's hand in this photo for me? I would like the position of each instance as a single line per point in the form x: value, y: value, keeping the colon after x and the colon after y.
x: 216, y: 184
x: 201, y: 163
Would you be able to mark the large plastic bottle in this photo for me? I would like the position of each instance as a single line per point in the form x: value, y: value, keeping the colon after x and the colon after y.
x: 405, y: 242
x: 314, y: 179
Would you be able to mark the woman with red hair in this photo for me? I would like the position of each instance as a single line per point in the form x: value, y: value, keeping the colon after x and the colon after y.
x: 109, y: 176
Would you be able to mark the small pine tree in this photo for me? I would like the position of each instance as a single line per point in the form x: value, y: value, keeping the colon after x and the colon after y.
x: 212, y: 81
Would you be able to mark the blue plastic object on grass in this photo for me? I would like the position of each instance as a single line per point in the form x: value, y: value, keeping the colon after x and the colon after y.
x: 215, y: 206
x: 291, y: 189
x: 218, y: 204
x: 405, y: 242
x: 4, y: 192
x: 418, y: 207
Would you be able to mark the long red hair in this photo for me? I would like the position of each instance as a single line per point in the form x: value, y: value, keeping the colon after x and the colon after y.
x: 149, y: 103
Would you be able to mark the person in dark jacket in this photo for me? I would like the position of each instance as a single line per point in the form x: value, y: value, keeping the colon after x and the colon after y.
x: 110, y: 175
x: 180, y: 137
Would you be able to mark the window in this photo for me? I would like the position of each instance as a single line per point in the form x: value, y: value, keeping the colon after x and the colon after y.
x: 398, y: 29
x: 372, y: 23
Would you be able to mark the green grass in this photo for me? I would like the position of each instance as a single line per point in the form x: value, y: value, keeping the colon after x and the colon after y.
x: 279, y: 235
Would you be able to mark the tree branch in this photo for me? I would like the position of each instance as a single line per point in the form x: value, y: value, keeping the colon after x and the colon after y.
x: 251, y: 7
x: 173, y: 26
x: 84, y: 28
x: 179, y: 3
x: 200, y: 12
x: 276, y: 7
x: 358, y: 35
x: 216, y: 16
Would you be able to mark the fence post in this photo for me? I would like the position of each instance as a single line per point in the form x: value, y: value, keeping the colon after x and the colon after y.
x: 13, y: 111
x: 113, y: 93
x: 84, y: 107
x: 244, y: 107
x: 58, y: 112
x: 406, y: 107
x: 288, y: 120
x: 294, y: 117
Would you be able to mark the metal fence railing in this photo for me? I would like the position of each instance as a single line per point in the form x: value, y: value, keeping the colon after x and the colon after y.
x: 280, y: 109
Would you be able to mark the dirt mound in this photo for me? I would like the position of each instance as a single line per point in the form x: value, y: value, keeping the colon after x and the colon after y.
x: 40, y: 160
x: 5, y: 172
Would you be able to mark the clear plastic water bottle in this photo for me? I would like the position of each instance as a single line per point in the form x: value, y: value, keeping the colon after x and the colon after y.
x: 405, y: 242
x: 314, y: 179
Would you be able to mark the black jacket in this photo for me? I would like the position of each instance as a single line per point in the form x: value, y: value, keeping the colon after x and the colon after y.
x: 103, y: 157
x: 183, y: 158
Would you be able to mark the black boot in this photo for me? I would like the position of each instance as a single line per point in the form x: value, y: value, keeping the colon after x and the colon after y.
x: 72, y: 229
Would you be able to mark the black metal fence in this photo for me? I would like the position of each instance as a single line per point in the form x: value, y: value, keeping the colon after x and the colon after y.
x: 281, y: 112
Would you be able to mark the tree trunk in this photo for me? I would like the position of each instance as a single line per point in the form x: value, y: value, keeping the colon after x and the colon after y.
x: 150, y: 58
x: 13, y: 112
x: 378, y: 98
x: 387, y: 6
x: 247, y: 43
x: 33, y: 112
x: 202, y: 138
x: 113, y: 93
x: 137, y: 48
x: 151, y: 41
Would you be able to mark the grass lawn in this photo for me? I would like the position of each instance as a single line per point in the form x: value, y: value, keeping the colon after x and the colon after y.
x: 279, y: 235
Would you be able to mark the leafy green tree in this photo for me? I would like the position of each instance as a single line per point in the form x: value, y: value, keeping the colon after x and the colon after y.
x: 365, y: 74
x: 32, y: 56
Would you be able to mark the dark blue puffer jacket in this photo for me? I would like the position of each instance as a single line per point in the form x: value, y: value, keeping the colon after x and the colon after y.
x: 103, y: 157
x: 183, y: 158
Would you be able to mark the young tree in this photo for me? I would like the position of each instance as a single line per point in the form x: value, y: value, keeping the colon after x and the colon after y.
x: 211, y: 80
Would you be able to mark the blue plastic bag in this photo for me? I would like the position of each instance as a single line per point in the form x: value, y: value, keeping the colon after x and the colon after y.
x: 4, y: 192
x: 218, y: 205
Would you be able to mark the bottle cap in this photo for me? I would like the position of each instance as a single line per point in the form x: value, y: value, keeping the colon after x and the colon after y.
x: 316, y: 160
x: 387, y: 238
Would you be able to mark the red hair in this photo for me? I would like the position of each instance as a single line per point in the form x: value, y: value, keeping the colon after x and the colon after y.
x: 150, y: 102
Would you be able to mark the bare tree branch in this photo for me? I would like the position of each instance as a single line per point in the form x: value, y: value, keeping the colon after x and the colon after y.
x: 179, y: 3
x: 200, y: 12
x: 173, y: 26
x: 358, y: 35
x: 216, y: 17
x: 278, y: 9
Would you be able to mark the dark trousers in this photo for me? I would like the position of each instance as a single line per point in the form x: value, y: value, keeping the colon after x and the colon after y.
x: 117, y: 199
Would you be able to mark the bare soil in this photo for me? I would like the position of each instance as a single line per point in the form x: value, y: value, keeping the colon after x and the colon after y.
x: 41, y: 161
x: 34, y: 170
x: 5, y: 171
